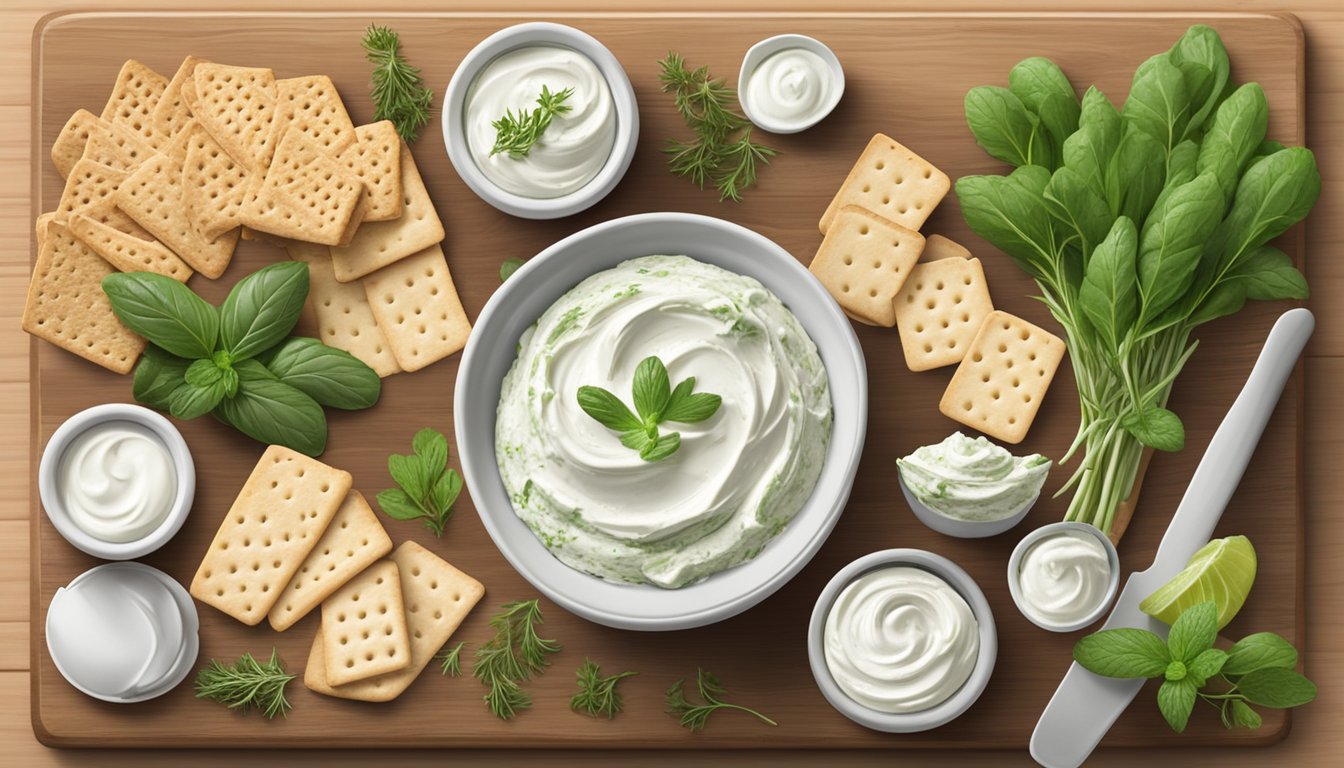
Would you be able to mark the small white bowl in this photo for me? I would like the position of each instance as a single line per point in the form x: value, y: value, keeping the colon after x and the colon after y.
x: 183, y: 466
x: 962, y: 529
x: 767, y: 48
x: 910, y: 722
x: 1020, y: 551
x: 523, y: 36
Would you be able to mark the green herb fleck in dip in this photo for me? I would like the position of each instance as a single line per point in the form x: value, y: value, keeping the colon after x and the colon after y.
x: 972, y: 479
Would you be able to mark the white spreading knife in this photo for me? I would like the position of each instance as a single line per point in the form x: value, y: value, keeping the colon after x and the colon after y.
x: 1086, y: 705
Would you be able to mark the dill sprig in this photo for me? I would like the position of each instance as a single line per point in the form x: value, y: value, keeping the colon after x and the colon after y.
x: 515, y: 654
x: 516, y: 133
x: 597, y: 694
x: 247, y: 684
x: 694, y: 716
x: 718, y: 155
x: 452, y: 660
x: 399, y: 94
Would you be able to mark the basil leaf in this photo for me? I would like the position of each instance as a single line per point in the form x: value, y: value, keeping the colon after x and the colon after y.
x: 432, y: 447
x: 1206, y: 665
x: 1109, y: 293
x: 1233, y: 137
x: 1043, y: 88
x: 1176, y: 700
x: 263, y: 308
x: 607, y: 409
x: 1089, y: 150
x: 1123, y: 653
x: 412, y: 473
x: 1193, y: 632
x: 1244, y: 716
x: 1158, y: 103
x: 203, y: 373
x: 661, y: 448
x: 192, y: 401
x: 694, y: 408
x: 1157, y: 428
x: 1204, y: 65
x: 397, y: 505
x: 1172, y: 240
x: 1008, y: 212
x: 1078, y: 208
x: 651, y: 389
x: 332, y: 377
x: 446, y: 490
x: 507, y: 269
x: 636, y: 439
x: 164, y: 311
x: 230, y: 382
x: 156, y: 376
x: 1270, y: 275
x: 1000, y: 124
x: 1273, y: 195
x: 1276, y: 687
x: 272, y: 412
x: 1263, y: 650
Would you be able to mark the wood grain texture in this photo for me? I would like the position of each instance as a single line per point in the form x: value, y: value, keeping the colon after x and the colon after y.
x: 1314, y: 740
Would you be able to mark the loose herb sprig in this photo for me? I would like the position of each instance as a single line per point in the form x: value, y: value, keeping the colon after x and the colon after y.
x: 514, y: 655
x: 712, y: 692
x: 428, y: 485
x: 597, y: 695
x: 656, y: 401
x: 508, y: 267
x: 451, y: 659
x: 246, y: 685
x: 718, y: 154
x: 516, y: 133
x: 399, y: 94
x: 1258, y: 669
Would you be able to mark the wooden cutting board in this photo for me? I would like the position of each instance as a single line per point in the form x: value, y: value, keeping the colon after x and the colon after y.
x: 906, y: 76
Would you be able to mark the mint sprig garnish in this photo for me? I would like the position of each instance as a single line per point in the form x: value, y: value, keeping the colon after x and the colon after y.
x: 656, y: 401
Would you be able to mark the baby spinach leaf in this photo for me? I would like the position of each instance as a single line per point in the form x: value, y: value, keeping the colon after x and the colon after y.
x: 1158, y: 103
x: 1078, y: 208
x: 1276, y: 687
x: 1273, y: 195
x: 1123, y: 653
x: 262, y: 309
x: 1135, y: 176
x: 156, y: 376
x: 1261, y: 650
x: 1233, y: 137
x: 332, y: 377
x: 1008, y: 212
x: 1157, y: 428
x: 1270, y: 275
x: 1226, y: 298
x: 1001, y: 124
x: 1109, y: 293
x: 1089, y: 150
x: 1042, y: 88
x: 1171, y: 243
x: 1176, y: 700
x: 270, y: 411
x: 1200, y: 56
x: 164, y: 311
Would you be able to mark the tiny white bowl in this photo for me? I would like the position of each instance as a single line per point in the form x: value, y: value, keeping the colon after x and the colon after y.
x: 183, y: 467
x: 962, y: 529
x: 908, y: 722
x: 1020, y: 551
x: 523, y: 36
x: 767, y: 48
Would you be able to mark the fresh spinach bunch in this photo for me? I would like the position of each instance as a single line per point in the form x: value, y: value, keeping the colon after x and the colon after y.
x: 1138, y: 224
x: 238, y: 362
x: 1258, y: 669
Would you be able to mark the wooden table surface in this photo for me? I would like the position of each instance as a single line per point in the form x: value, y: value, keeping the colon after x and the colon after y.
x: 1316, y: 735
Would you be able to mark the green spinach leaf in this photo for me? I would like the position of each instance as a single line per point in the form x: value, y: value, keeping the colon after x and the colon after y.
x: 1001, y: 124
x: 1109, y: 293
x: 1200, y: 56
x: 1043, y: 89
x: 1237, y: 130
x: 1171, y: 243
x: 1158, y: 103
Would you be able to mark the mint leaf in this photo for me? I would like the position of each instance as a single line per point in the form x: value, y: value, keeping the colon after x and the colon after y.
x: 636, y: 439
x: 398, y: 505
x: 412, y: 474
x: 693, y: 408
x: 1193, y: 632
x: 1243, y: 716
x: 446, y: 490
x: 651, y: 390
x: 607, y: 409
x: 661, y: 448
x: 428, y: 486
x: 431, y: 446
x: 1276, y: 687
x: 1156, y: 427
x: 1123, y: 653
x: 1206, y: 665
x: 1263, y: 650
x: 507, y: 269
x: 1176, y: 699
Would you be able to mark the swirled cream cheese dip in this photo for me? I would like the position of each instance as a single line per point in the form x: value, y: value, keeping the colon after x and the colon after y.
x: 116, y: 481
x: 574, y: 146
x: 1063, y: 578
x: 900, y: 639
x: 972, y: 479
x: 738, y: 477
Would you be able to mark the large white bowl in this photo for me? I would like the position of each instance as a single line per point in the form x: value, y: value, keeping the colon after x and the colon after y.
x: 543, y: 280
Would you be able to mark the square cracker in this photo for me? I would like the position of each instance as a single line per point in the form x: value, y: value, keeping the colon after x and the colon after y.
x: 418, y: 310
x: 891, y: 181
x: 90, y: 190
x: 343, y: 316
x: 173, y: 112
x: 437, y: 596
x: 213, y: 185
x: 352, y: 541
x: 127, y: 252
x: 999, y: 386
x: 863, y: 261
x: 43, y: 219
x: 937, y: 248
x: 364, y: 626
x: 375, y: 157
x: 305, y: 195
x: 71, y: 142
x: 67, y: 307
x: 236, y: 105
x: 940, y: 309
x: 312, y: 105
x: 134, y: 97
x: 278, y: 517
x: 377, y: 245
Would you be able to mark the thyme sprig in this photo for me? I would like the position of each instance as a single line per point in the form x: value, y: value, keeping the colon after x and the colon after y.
x: 517, y: 132
x: 246, y: 685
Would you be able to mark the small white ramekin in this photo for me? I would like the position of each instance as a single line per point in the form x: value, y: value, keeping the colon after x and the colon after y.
x: 1020, y: 551
x: 962, y: 529
x: 622, y: 95
x: 767, y: 48
x: 183, y: 467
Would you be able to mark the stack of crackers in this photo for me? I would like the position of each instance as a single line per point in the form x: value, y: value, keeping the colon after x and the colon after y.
x: 883, y: 272
x: 174, y: 171
x: 299, y: 537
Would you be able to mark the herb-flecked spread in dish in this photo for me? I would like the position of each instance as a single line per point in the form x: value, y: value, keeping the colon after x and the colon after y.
x: 972, y: 479
x: 739, y: 476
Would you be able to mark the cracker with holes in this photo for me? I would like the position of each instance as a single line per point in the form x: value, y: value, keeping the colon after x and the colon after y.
x: 67, y: 307
x: 343, y: 316
x: 891, y: 181
x: 1000, y: 383
x: 364, y: 626
x: 172, y: 114
x: 418, y: 310
x: 214, y: 187
x: 90, y: 190
x: 41, y: 231
x: 939, y: 310
x: 352, y: 541
x: 312, y: 105
x: 128, y: 253
x: 279, y: 516
x: 236, y: 105
x: 73, y: 140
x: 863, y: 261
x: 134, y: 97
x: 305, y: 195
x: 438, y: 598
x: 937, y: 248
x: 382, y: 243
x: 375, y: 157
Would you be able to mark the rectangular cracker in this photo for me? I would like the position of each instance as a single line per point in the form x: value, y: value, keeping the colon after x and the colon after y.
x: 375, y: 157
x: 312, y: 105
x: 343, y: 316
x: 173, y: 112
x: 354, y: 539
x: 278, y: 517
x: 128, y: 253
x: 937, y: 248
x: 41, y: 230
x: 940, y: 309
x: 999, y: 386
x: 377, y: 245
x: 893, y: 182
x: 236, y: 105
x: 71, y: 142
x: 134, y: 98
x: 438, y: 597
x: 418, y: 309
x: 67, y: 307
x: 90, y: 190
x: 863, y: 261
x: 305, y: 195
x: 364, y: 626
x: 214, y: 187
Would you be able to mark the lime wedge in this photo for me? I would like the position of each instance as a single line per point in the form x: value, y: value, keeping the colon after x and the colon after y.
x: 1222, y: 571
